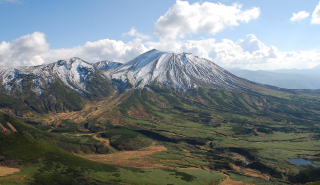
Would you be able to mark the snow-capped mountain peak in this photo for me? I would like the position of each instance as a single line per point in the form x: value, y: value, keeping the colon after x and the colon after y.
x: 176, y: 70
x: 180, y: 71
x: 73, y: 72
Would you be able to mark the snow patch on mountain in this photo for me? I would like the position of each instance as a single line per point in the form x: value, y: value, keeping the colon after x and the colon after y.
x: 106, y: 65
x: 74, y: 73
x: 181, y: 71
x: 9, y: 76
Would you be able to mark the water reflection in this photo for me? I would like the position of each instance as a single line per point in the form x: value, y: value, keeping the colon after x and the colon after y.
x: 302, y: 162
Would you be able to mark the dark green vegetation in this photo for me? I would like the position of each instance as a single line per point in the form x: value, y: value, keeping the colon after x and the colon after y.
x: 308, y: 174
x: 42, y: 163
x: 215, y: 130
x: 67, y: 142
x: 315, y: 183
x: 266, y: 127
x: 55, y: 166
x: 123, y: 139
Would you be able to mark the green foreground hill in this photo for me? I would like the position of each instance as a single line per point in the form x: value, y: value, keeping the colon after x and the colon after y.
x: 43, y: 163
x: 208, y: 133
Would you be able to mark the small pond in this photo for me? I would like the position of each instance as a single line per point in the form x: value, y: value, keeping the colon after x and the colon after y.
x: 302, y: 162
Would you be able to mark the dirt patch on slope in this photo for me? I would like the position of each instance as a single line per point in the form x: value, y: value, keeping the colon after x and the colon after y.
x: 106, y: 142
x: 254, y: 173
x: 250, y: 172
x: 6, y: 170
x: 229, y: 181
x: 234, y: 182
x: 14, y: 178
x: 123, y: 158
x: 90, y: 111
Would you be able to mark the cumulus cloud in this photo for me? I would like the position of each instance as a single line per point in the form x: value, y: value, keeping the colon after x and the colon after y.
x: 104, y: 49
x: 25, y: 50
x: 33, y: 49
x: 299, y: 16
x: 135, y: 33
x: 251, y: 53
x: 316, y: 15
x: 248, y: 53
x: 183, y: 18
x: 251, y: 43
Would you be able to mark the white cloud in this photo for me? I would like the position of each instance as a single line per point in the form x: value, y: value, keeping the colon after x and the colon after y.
x: 32, y: 49
x: 32, y: 43
x: 299, y: 16
x: 104, y: 49
x: 183, y: 18
x: 251, y: 43
x: 251, y: 53
x: 316, y: 15
x: 135, y: 33
x: 24, y: 50
x: 248, y: 53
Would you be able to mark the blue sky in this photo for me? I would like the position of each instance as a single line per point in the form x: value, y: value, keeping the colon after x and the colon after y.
x: 247, y: 34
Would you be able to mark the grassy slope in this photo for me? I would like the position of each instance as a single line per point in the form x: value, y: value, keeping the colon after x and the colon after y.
x: 270, y: 125
x: 123, y: 139
x: 43, y: 163
x: 64, y: 141
x: 55, y: 166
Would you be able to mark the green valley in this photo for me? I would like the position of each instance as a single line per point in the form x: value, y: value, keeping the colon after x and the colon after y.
x: 243, y: 136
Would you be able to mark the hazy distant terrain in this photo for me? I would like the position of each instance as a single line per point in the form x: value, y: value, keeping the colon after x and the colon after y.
x: 283, y: 78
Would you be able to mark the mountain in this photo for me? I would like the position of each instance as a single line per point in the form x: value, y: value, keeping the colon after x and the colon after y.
x: 67, y: 85
x: 180, y: 71
x: 184, y: 118
x: 74, y: 73
x: 285, y: 78
x: 106, y: 65
x: 309, y: 72
x: 58, y: 86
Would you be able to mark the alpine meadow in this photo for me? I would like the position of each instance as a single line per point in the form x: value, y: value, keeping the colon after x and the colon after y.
x: 162, y: 108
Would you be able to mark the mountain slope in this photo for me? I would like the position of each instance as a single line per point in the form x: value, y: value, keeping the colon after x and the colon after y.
x: 43, y: 163
x: 178, y: 71
x: 212, y: 125
x: 74, y: 73
x: 60, y: 86
x: 106, y: 65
